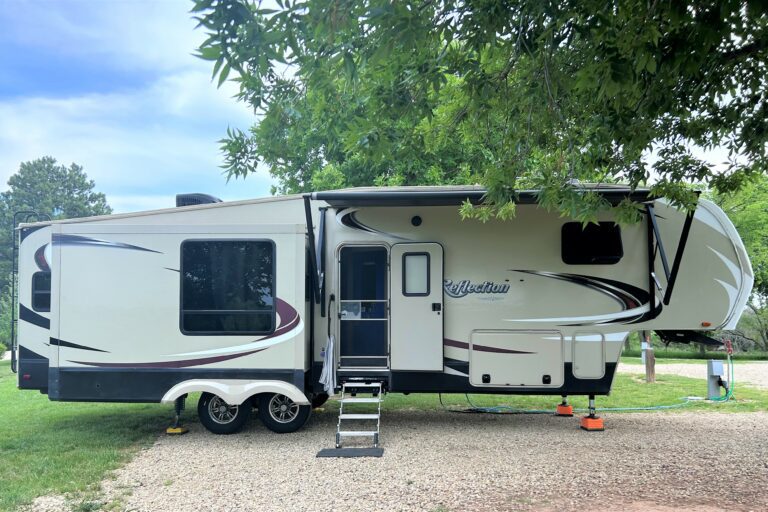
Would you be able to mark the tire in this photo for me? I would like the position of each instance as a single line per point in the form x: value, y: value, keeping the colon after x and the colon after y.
x: 219, y: 417
x: 281, y: 414
x: 319, y: 399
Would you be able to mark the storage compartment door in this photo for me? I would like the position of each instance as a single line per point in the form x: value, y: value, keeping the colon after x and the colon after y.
x: 516, y: 359
x: 588, y: 355
x: 417, y: 307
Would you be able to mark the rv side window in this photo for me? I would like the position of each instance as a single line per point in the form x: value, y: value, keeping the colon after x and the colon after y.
x: 227, y: 287
x: 416, y: 274
x: 41, y: 291
x: 595, y: 244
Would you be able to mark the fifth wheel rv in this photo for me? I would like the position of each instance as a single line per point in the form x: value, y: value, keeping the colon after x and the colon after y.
x: 245, y: 301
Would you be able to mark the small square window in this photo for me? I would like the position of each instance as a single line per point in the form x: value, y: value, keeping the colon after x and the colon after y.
x: 416, y: 274
x: 41, y: 291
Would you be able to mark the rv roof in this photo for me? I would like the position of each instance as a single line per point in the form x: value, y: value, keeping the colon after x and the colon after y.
x: 455, y: 195
x: 390, y: 196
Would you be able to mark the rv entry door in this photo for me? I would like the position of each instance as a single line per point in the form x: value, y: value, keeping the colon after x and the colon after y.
x: 416, y: 318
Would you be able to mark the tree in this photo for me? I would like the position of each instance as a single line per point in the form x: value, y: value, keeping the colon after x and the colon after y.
x: 514, y: 94
x: 45, y: 187
x: 748, y: 210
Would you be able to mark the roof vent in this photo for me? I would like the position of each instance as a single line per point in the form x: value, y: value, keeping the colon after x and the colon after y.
x: 193, y: 199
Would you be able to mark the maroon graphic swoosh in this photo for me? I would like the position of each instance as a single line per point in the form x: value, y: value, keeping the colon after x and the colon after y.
x: 482, y: 348
x: 289, y: 318
x: 172, y: 364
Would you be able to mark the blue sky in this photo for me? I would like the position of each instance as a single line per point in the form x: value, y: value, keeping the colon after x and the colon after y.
x: 113, y: 86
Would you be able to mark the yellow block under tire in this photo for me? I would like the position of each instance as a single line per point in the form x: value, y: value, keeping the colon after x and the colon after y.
x: 281, y: 414
x: 319, y: 399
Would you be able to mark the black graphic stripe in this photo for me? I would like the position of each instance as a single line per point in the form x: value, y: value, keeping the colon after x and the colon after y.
x: 455, y: 364
x: 27, y: 315
x: 349, y: 219
x: 61, y: 239
x: 62, y: 343
x: 626, y: 295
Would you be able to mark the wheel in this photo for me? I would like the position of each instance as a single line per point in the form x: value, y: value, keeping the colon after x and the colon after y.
x: 281, y: 414
x: 319, y: 399
x: 220, y: 417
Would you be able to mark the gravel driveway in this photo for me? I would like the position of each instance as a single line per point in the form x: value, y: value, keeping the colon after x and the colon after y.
x: 454, y: 462
x: 755, y: 374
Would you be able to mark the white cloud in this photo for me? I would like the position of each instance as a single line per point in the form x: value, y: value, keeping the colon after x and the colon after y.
x: 139, y: 35
x: 142, y: 145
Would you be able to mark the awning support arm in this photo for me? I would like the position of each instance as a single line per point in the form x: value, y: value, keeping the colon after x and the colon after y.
x: 659, y: 242
x: 655, y: 237
x: 312, y: 251
x: 651, y: 264
x: 678, y: 257
x: 321, y: 260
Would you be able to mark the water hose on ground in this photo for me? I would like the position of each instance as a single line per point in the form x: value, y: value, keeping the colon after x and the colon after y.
x: 505, y: 409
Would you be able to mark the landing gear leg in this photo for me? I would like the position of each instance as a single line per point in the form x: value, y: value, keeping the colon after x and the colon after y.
x: 591, y: 422
x: 564, y: 409
x: 176, y: 428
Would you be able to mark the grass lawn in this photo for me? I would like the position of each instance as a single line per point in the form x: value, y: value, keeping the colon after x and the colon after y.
x: 54, y: 447
x: 669, y: 360
x: 628, y: 391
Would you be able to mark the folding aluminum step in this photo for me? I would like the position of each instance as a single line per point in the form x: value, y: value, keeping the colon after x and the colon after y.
x: 375, y: 389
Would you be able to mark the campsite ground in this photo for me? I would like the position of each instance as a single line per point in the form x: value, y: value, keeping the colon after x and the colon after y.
x: 434, y: 459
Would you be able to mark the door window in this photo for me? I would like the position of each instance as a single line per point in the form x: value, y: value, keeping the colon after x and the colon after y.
x: 415, y: 274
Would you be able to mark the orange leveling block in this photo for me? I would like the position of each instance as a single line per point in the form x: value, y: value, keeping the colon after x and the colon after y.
x: 592, y: 423
x: 564, y: 409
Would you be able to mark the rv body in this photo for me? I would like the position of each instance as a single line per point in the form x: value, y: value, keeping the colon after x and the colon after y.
x: 238, y: 300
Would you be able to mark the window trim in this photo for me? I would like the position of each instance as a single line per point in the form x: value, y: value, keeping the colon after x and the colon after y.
x: 228, y: 333
x: 36, y: 292
x: 429, y: 274
x: 600, y: 223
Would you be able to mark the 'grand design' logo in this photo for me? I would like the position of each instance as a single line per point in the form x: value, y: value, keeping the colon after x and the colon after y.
x: 464, y: 288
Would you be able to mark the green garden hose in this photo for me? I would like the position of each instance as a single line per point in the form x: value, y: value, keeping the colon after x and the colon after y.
x: 505, y: 409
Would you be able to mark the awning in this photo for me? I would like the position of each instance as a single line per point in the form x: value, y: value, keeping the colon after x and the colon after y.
x: 435, y: 196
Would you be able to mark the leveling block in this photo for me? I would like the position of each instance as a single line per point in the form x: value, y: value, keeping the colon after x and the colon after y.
x: 564, y: 410
x: 351, y: 452
x: 177, y: 429
x: 592, y: 424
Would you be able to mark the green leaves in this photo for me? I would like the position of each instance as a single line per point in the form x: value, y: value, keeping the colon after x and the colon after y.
x: 511, y: 95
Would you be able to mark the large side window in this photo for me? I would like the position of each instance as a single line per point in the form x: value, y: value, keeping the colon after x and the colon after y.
x: 41, y: 291
x: 227, y: 287
x: 595, y: 244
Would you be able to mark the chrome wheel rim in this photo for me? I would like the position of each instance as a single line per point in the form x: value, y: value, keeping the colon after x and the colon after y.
x: 221, y: 412
x: 282, y: 409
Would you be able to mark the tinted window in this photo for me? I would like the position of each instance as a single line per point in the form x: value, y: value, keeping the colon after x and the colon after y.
x: 365, y: 277
x: 227, y: 287
x: 41, y: 291
x: 594, y: 244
